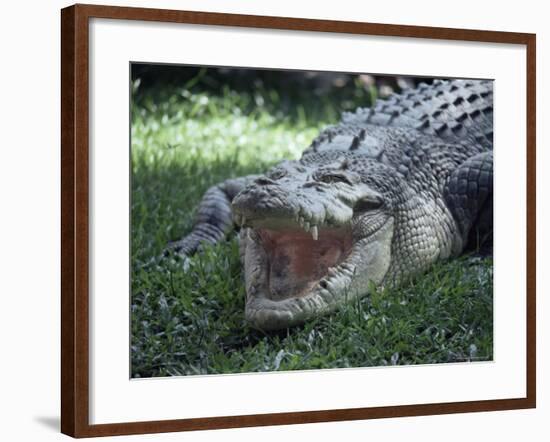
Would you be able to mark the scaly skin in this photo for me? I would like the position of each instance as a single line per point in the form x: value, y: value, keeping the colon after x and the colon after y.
x: 375, y: 199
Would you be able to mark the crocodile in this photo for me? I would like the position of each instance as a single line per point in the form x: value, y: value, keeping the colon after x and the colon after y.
x: 373, y: 201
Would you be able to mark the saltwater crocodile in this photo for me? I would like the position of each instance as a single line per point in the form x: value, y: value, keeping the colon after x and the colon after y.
x: 375, y: 199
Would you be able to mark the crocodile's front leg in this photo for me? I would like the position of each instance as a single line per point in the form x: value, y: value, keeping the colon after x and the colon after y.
x: 469, y: 196
x: 214, y: 219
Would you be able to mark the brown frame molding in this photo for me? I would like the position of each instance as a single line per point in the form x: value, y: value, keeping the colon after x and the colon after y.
x: 74, y: 219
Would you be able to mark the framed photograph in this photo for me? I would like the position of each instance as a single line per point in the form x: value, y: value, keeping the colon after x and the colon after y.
x: 272, y: 220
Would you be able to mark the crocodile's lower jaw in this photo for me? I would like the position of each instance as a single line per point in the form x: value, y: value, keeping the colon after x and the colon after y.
x: 291, y: 277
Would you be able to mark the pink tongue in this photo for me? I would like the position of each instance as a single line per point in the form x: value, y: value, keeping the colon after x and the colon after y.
x: 297, y: 264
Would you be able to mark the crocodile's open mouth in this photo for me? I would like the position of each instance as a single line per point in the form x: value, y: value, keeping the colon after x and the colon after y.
x: 297, y: 261
x: 304, y: 257
x: 293, y: 273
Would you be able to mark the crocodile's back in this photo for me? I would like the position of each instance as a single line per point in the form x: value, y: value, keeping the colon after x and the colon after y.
x: 452, y: 110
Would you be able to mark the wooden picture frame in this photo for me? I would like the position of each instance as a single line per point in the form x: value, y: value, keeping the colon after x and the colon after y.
x: 75, y: 219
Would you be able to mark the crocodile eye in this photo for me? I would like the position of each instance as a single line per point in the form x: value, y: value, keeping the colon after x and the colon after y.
x: 334, y: 178
x: 366, y: 205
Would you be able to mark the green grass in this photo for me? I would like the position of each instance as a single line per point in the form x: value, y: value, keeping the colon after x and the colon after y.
x: 192, y: 322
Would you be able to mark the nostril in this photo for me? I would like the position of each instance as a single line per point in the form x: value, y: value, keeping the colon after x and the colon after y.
x: 264, y: 181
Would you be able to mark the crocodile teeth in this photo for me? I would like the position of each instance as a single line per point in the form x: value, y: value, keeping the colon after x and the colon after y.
x: 314, y: 233
x: 349, y: 267
x: 306, y: 226
x: 243, y: 220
